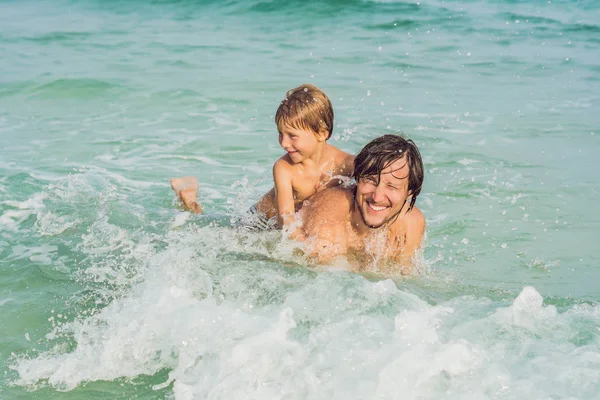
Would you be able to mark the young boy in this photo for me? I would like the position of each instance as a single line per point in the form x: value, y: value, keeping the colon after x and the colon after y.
x: 305, y: 121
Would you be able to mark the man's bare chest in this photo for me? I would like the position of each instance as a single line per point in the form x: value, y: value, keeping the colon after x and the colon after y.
x: 375, y: 251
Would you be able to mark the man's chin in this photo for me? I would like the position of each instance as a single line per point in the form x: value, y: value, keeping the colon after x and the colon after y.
x: 373, y: 224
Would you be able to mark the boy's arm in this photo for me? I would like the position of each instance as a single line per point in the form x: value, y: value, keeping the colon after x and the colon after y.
x: 284, y: 194
x: 267, y: 204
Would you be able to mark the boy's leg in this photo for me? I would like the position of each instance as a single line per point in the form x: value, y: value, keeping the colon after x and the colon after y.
x: 266, y: 204
x: 187, y: 190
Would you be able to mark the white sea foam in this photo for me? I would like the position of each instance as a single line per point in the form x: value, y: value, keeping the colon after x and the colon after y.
x: 202, y: 159
x: 466, y: 161
x: 334, y: 335
x: 11, y: 219
x: 50, y: 224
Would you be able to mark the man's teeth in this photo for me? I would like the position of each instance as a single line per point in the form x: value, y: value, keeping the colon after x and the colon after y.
x: 377, y: 208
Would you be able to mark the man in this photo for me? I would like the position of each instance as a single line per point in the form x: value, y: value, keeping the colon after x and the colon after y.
x: 375, y: 223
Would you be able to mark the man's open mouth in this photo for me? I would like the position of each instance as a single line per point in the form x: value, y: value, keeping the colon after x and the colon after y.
x: 376, y: 208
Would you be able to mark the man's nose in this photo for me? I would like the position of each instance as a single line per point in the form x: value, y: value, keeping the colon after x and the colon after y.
x: 378, y: 193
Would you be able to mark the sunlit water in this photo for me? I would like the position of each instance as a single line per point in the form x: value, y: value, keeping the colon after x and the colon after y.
x: 109, y: 290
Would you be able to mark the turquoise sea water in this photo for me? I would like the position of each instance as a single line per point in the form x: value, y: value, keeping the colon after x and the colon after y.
x: 109, y: 290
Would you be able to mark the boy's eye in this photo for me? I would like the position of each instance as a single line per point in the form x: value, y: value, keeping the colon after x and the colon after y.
x: 370, y: 179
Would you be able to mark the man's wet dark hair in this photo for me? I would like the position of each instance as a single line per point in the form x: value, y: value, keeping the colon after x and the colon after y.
x: 379, y: 153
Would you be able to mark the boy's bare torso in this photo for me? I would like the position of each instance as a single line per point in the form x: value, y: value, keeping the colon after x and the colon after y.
x: 309, y: 178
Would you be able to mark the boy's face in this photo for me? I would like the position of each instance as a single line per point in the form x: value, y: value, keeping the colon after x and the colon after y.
x: 299, y: 143
x: 379, y: 199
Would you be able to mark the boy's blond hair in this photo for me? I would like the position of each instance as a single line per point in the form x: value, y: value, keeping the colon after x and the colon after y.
x: 306, y: 107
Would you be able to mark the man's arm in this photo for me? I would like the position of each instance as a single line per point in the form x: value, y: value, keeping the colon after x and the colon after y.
x: 325, y: 224
x: 325, y: 243
x: 409, y: 241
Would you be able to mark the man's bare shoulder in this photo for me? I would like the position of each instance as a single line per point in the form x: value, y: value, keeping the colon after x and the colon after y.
x: 411, y: 222
x: 409, y: 230
x: 415, y: 217
x: 327, y: 206
x: 325, y: 218
x: 331, y: 198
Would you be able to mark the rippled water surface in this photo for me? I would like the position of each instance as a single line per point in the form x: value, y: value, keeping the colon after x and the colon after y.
x: 109, y: 290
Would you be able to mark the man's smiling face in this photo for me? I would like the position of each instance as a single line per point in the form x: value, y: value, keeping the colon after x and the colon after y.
x: 380, y: 199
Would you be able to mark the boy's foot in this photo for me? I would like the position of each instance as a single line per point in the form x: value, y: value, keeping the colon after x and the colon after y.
x: 187, y: 182
x: 187, y: 190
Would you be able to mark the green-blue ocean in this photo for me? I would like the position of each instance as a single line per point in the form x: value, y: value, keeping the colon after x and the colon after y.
x: 109, y: 289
